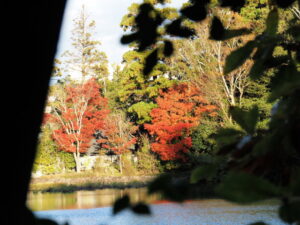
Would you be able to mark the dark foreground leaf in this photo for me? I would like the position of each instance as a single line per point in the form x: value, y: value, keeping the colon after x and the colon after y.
x: 151, y: 61
x: 176, y: 29
x: 238, y: 57
x: 120, y: 204
x: 171, y: 190
x: 258, y: 223
x: 126, y: 39
x: 235, y: 33
x: 241, y: 187
x: 235, y: 5
x: 227, y: 135
x: 46, y: 222
x: 168, y: 48
x: 285, y: 81
x: 195, y: 12
x: 272, y: 22
x: 284, y: 3
x: 141, y: 208
x: 217, y: 29
x: 295, y: 184
x: 203, y: 172
x: 159, y: 183
x: 290, y: 212
x: 246, y: 119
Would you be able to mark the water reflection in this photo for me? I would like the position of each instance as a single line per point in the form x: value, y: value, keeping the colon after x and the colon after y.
x: 85, y: 199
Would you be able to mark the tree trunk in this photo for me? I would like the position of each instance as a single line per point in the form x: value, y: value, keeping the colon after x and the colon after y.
x: 77, y: 162
x: 120, y: 164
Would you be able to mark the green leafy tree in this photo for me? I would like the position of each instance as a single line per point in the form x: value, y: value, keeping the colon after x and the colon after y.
x: 48, y: 159
x: 148, y: 163
x: 201, y: 137
x: 256, y: 12
x: 257, y: 93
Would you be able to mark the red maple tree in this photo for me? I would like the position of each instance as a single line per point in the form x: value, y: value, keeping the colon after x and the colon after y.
x: 77, y: 115
x: 179, y: 109
x: 118, y: 135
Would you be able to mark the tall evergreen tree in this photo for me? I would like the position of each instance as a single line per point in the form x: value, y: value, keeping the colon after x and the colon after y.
x: 85, y: 59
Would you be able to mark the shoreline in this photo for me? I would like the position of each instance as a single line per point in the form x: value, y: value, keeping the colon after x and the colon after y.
x: 68, y: 183
x: 54, y: 184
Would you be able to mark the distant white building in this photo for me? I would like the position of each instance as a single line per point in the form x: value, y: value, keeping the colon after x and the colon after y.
x: 51, y: 98
x: 48, y: 109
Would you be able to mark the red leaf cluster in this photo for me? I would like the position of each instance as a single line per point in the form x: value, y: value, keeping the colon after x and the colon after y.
x: 179, y: 110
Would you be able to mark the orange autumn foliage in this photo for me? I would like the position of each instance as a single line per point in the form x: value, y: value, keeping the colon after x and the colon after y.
x: 180, y: 108
x: 118, y: 134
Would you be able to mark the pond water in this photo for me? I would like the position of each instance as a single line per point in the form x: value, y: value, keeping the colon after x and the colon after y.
x: 93, y: 208
x: 85, y: 199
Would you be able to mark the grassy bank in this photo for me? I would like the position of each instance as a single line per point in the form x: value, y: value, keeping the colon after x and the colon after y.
x: 67, y: 188
x: 67, y: 183
x: 86, y: 181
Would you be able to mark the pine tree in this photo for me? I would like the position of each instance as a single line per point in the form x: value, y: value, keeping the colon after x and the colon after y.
x: 85, y: 59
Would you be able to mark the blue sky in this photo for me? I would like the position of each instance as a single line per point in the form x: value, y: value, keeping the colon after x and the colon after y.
x: 108, y: 15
